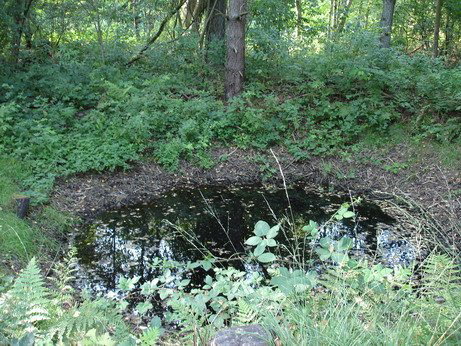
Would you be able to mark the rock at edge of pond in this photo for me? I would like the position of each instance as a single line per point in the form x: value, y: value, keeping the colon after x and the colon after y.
x: 251, y: 335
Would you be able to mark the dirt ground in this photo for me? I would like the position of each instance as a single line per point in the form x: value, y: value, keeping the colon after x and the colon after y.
x: 426, y: 182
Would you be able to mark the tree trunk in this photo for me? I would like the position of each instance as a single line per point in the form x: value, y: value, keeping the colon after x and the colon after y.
x: 299, y: 12
x: 20, y: 15
x: 159, y: 32
x: 330, y: 19
x: 136, y: 17
x: 235, y: 34
x: 438, y: 12
x: 215, y: 32
x: 342, y: 21
x: 216, y: 28
x: 387, y: 18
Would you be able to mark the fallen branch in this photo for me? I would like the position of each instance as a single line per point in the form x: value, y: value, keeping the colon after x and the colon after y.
x: 157, y: 35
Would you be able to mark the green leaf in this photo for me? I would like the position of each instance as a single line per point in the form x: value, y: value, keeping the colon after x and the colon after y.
x: 339, y: 257
x: 324, y: 254
x: 184, y: 282
x: 267, y: 257
x: 348, y: 214
x: 344, y: 244
x: 143, y: 307
x: 253, y: 240
x: 273, y: 232
x: 259, y: 249
x: 325, y: 242
x: 271, y: 242
x: 208, y: 280
x: 206, y: 265
x: 261, y: 228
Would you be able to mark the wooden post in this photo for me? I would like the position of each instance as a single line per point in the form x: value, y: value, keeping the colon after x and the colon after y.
x: 22, y: 206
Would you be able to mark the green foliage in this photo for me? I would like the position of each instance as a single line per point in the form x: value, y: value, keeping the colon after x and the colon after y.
x: 31, y: 311
x: 263, y: 239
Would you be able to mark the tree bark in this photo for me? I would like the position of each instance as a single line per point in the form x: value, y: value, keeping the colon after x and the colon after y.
x: 22, y: 206
x: 136, y: 17
x: 20, y: 15
x: 438, y: 14
x: 299, y: 13
x: 387, y: 18
x: 343, y: 18
x: 235, y: 62
x: 216, y: 28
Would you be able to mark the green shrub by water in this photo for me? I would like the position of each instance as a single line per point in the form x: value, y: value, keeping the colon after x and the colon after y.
x: 78, y: 115
x: 350, y: 302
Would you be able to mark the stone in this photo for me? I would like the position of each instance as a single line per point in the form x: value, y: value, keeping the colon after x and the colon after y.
x: 251, y: 335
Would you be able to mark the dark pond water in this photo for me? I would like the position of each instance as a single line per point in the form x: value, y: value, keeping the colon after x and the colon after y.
x: 123, y: 242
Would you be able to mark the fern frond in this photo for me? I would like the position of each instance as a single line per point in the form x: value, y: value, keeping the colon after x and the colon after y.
x: 150, y: 336
x: 246, y: 314
x: 440, y: 276
x: 64, y: 272
x: 27, y: 303
x: 98, y: 314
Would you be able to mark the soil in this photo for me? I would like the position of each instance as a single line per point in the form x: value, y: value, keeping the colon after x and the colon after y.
x: 426, y: 182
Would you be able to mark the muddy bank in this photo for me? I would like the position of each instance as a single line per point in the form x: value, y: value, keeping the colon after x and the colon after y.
x: 426, y: 183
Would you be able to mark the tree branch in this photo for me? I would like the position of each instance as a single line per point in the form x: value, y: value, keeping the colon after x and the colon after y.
x: 157, y: 35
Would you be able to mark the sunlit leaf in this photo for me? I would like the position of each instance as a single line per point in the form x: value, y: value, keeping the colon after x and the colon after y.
x: 261, y: 228
x: 267, y: 257
x: 273, y: 232
x: 253, y: 240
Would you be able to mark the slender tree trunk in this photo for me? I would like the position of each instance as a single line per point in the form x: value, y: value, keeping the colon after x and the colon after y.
x: 159, y: 32
x: 367, y: 14
x: 299, y: 13
x: 449, y: 26
x: 438, y: 14
x: 216, y: 28
x: 330, y: 19
x: 136, y: 18
x: 342, y: 21
x: 235, y: 34
x: 387, y: 18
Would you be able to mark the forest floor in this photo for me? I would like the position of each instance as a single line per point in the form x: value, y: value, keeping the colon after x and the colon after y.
x: 403, y: 171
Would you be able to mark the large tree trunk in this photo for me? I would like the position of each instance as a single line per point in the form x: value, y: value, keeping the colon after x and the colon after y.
x: 438, y: 13
x: 235, y: 33
x: 387, y: 18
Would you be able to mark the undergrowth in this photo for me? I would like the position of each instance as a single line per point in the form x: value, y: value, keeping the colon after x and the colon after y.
x: 76, y: 115
x: 349, y: 302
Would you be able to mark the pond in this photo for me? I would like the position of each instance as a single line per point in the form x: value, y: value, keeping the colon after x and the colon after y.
x: 186, y: 224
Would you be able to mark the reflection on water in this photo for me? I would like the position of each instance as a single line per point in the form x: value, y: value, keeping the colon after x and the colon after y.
x: 123, y: 242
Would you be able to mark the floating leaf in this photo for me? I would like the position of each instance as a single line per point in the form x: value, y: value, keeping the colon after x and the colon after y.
x: 266, y: 257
